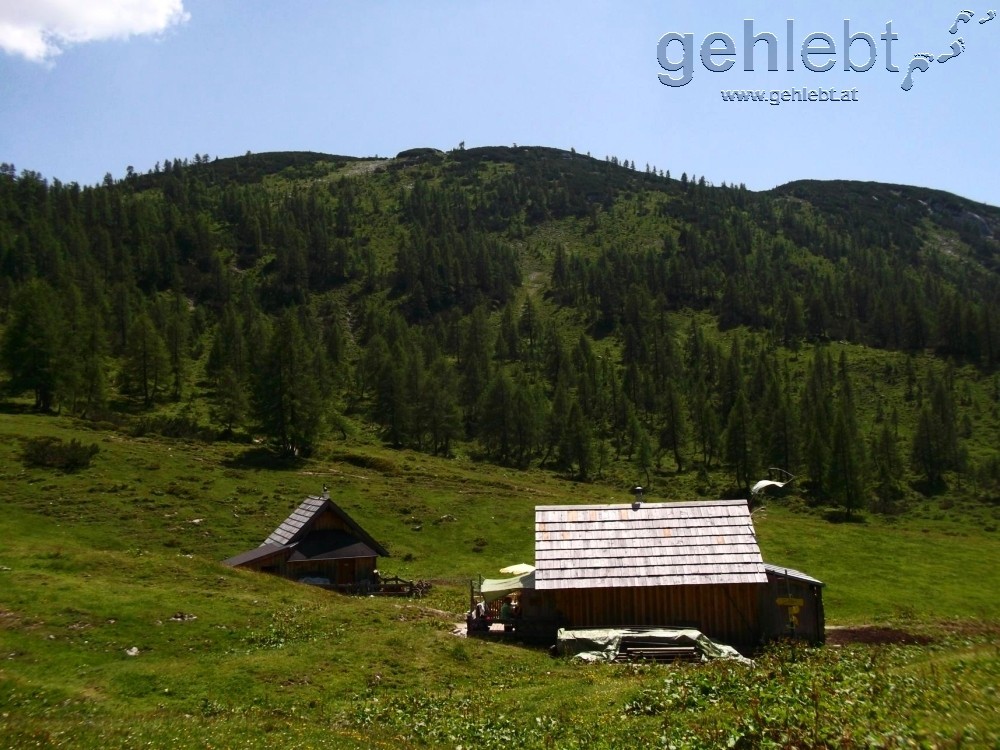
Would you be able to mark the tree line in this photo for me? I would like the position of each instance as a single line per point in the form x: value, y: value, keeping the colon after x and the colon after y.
x: 683, y: 328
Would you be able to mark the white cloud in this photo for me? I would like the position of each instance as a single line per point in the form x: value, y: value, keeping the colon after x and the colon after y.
x: 40, y: 29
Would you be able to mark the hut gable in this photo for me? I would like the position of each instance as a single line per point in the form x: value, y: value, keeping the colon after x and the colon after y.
x: 646, y: 544
x: 314, y: 516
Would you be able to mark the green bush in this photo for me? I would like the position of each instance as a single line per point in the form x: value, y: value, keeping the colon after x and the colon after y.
x: 53, y: 453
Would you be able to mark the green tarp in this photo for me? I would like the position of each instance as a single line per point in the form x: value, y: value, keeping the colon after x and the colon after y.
x: 497, y: 588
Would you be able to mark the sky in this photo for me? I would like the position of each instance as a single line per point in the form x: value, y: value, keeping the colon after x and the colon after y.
x: 90, y: 88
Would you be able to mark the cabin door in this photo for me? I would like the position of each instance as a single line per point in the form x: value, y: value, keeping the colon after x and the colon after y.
x: 345, y: 571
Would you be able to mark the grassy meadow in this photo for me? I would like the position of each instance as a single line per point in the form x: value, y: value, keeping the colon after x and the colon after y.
x: 119, y: 627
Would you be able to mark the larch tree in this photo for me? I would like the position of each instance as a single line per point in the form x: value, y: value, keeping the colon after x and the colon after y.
x: 740, y: 449
x: 438, y: 410
x: 30, y: 346
x: 146, y: 363
x: 288, y: 397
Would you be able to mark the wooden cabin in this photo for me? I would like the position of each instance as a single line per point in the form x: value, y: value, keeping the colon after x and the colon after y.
x: 319, y: 543
x: 689, y: 564
x: 654, y: 565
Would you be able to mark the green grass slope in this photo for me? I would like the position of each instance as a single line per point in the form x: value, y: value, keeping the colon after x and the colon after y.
x: 120, y: 628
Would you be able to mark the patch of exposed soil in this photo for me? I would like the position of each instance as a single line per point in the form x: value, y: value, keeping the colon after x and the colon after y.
x: 10, y: 619
x: 873, y: 635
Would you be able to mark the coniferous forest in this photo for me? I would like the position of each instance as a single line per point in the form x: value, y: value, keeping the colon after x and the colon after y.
x: 522, y: 306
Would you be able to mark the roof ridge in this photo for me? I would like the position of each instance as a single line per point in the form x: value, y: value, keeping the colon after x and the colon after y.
x: 646, y: 504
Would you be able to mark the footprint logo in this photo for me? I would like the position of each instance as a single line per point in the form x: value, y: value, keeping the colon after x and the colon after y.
x: 922, y: 60
x: 957, y: 48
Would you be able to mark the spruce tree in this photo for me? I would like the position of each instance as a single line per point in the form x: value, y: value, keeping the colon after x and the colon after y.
x: 817, y: 418
x: 846, y: 469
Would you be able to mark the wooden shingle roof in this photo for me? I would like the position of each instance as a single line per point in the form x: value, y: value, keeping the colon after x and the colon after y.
x: 649, y: 544
x: 298, y: 522
x: 258, y: 553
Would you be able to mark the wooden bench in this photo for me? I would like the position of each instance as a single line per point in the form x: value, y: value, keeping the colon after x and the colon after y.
x: 658, y: 654
x: 394, y: 586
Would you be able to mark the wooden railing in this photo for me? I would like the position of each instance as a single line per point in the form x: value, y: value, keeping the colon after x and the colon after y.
x: 392, y: 586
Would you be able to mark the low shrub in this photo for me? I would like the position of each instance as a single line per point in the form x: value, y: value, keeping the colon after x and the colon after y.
x: 53, y: 453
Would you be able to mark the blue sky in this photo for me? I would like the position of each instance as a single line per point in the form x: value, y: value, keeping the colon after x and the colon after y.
x: 131, y: 82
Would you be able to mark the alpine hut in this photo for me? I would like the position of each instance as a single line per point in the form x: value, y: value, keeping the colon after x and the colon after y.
x: 319, y: 543
x: 688, y: 564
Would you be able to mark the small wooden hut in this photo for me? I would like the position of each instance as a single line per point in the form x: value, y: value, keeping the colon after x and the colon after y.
x: 792, y: 605
x: 319, y: 543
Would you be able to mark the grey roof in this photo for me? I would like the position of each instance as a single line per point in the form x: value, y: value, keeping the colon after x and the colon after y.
x: 329, y: 545
x: 297, y: 523
x: 798, y: 575
x: 652, y: 544
x: 264, y: 550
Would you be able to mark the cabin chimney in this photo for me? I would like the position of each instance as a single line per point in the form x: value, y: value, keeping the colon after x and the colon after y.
x: 637, y: 492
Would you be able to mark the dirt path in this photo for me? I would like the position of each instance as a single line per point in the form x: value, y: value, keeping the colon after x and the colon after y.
x: 842, y: 635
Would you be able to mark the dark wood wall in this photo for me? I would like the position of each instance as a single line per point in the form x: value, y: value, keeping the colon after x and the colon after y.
x: 343, y: 572
x: 727, y: 613
x: 330, y: 520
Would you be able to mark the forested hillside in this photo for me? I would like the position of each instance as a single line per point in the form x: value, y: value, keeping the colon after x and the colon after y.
x: 525, y: 306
